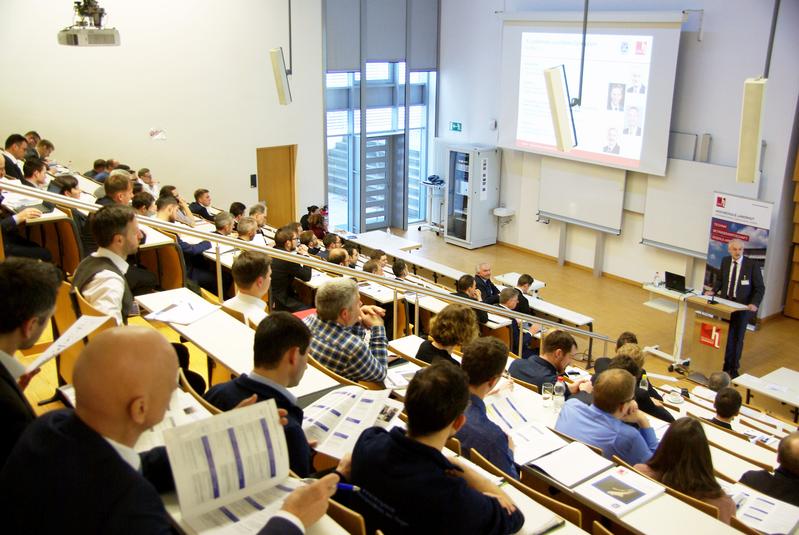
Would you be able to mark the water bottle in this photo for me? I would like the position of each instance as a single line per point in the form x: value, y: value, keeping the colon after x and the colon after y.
x: 656, y: 279
x: 644, y: 384
x: 559, y: 394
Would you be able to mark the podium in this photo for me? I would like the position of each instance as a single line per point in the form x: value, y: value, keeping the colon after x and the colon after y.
x: 708, y: 340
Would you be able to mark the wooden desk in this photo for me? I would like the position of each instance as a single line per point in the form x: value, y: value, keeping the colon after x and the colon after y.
x: 781, y: 393
x: 378, y: 239
x: 436, y: 269
x: 227, y: 340
x: 510, y: 279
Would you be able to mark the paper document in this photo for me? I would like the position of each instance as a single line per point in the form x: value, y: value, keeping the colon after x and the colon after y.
x: 183, y: 409
x: 231, y: 470
x: 572, y: 464
x: 762, y: 512
x: 337, y: 419
x: 83, y: 327
x: 183, y: 312
x: 537, y: 518
x: 620, y: 490
x: 398, y: 377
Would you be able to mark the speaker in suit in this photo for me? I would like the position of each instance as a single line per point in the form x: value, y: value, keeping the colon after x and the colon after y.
x: 742, y: 282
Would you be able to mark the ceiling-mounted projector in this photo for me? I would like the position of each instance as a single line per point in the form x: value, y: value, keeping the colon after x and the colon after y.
x: 87, y: 27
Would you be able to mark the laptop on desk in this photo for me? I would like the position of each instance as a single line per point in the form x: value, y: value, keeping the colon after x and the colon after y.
x: 676, y: 283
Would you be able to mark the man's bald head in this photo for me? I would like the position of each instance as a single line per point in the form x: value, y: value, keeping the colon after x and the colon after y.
x: 613, y: 388
x: 788, y: 453
x: 124, y: 380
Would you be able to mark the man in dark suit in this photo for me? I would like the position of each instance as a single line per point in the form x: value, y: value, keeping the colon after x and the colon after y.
x: 15, y: 148
x: 29, y: 291
x: 202, y: 200
x: 393, y: 466
x: 488, y: 292
x: 727, y: 404
x: 509, y: 299
x: 522, y: 289
x: 95, y: 480
x: 557, y: 350
x: 783, y: 484
x: 467, y: 288
x: 284, y: 297
x: 279, y: 360
x: 742, y: 282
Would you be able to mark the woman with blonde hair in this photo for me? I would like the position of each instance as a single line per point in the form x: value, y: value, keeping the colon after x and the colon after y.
x: 456, y: 325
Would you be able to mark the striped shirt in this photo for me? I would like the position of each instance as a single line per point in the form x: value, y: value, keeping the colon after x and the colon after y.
x: 345, y: 351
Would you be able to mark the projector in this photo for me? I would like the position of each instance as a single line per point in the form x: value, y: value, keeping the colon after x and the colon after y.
x: 88, y: 37
x: 87, y: 27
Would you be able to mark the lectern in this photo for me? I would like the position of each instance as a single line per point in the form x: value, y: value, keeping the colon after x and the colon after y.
x: 708, y: 340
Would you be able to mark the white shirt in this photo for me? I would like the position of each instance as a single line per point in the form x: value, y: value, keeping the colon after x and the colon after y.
x: 106, y: 289
x: 153, y: 190
x: 128, y: 455
x: 253, y: 308
x: 12, y: 365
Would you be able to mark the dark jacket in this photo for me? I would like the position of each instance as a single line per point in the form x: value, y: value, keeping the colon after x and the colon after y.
x: 427, y: 352
x: 200, y: 210
x: 406, y: 489
x: 12, y: 170
x: 750, y: 287
x: 15, y: 413
x: 482, y: 315
x: 282, y: 293
x: 227, y: 395
x: 782, y: 485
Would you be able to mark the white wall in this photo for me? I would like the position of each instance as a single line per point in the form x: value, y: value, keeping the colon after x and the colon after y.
x: 707, y: 99
x: 197, y: 68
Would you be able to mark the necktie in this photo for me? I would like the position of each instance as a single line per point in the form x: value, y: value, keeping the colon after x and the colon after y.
x: 731, y: 289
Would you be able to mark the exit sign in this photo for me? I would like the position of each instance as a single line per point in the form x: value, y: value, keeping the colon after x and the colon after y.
x: 455, y: 126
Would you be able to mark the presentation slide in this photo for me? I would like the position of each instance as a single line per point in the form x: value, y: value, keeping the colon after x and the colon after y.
x: 624, y: 117
x: 611, y: 121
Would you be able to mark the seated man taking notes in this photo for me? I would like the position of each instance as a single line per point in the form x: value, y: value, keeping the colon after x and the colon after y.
x: 95, y: 480
x: 557, y: 350
x: 604, y: 423
x: 484, y: 362
x: 409, y: 486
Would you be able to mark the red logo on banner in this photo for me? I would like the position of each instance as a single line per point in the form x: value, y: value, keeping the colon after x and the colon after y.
x: 721, y: 202
x: 710, y: 335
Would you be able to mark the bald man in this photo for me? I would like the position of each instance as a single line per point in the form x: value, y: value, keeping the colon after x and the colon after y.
x: 77, y: 472
x: 783, y: 484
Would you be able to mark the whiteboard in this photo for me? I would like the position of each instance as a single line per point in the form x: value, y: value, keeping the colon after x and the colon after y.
x: 587, y: 195
x: 679, y: 205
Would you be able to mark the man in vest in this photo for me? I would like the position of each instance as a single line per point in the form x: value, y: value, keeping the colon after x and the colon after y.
x: 100, y: 277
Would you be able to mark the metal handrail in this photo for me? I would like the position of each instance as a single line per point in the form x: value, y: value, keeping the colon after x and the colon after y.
x: 321, y: 265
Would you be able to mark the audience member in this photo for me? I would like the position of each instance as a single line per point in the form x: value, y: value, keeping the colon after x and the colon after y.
x: 604, y: 423
x: 202, y: 200
x: 466, y: 287
x: 279, y: 361
x: 626, y: 337
x: 110, y: 165
x: 33, y: 138
x: 331, y: 241
x: 98, y: 167
x: 718, y: 380
x: 183, y: 214
x: 237, y: 210
x: 29, y: 291
x: 317, y: 225
x: 309, y: 240
x: 247, y: 228
x: 727, y: 404
x: 251, y: 273
x: 380, y: 257
x: 682, y: 462
x: 144, y: 204
x: 339, y: 328
x: 118, y: 190
x: 522, y: 290
x: 400, y: 269
x: 488, y: 292
x: 373, y: 267
x: 313, y: 209
x: 223, y: 223
x: 197, y: 266
x: 454, y: 326
x: 123, y: 381
x: 392, y: 466
x: 557, y: 350
x: 339, y: 257
x: 67, y: 185
x: 14, y: 154
x: 146, y: 179
x: 354, y: 255
x: 783, y: 484
x: 284, y: 296
x: 484, y: 362
x: 645, y: 403
x: 100, y: 277
x: 509, y: 299
x: 258, y: 211
x: 43, y: 150
x: 34, y: 173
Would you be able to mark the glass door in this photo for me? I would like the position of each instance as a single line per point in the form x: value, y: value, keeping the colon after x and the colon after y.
x: 378, y: 178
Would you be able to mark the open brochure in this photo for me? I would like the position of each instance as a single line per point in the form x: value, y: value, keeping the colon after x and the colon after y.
x: 620, y: 490
x: 399, y: 376
x: 531, y: 439
x: 761, y: 512
x: 231, y: 470
x: 572, y: 464
x: 337, y: 419
x: 183, y: 311
x: 83, y: 327
x: 183, y: 409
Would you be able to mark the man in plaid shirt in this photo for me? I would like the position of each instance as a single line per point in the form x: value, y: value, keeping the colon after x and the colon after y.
x: 338, y: 332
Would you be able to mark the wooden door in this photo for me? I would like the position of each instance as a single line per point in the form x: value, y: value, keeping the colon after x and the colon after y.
x: 276, y: 183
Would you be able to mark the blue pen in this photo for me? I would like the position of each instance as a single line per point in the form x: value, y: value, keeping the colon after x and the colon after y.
x: 347, y: 486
